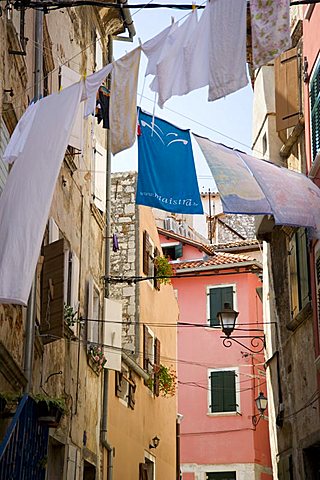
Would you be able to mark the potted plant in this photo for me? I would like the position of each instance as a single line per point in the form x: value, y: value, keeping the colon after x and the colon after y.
x: 49, y: 409
x: 8, y: 403
x: 164, y: 270
x: 70, y: 316
x: 167, y: 380
x: 97, y: 357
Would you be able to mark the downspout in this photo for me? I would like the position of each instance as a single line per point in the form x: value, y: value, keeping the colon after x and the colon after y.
x: 31, y: 309
x: 105, y: 390
x: 127, y: 22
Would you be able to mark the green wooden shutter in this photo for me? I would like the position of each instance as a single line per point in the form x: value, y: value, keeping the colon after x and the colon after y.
x: 216, y: 392
x: 156, y: 383
x: 178, y: 251
x: 229, y: 391
x: 223, y: 391
x: 315, y: 112
x: 218, y: 297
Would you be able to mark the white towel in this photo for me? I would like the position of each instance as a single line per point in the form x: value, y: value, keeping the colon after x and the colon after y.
x: 154, y: 48
x: 123, y: 101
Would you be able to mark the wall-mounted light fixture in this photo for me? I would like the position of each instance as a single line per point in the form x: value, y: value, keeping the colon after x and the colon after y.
x: 261, y: 403
x: 227, y: 318
x: 154, y: 442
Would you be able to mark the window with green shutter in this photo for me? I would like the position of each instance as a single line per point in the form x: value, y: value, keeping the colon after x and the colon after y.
x: 223, y: 391
x: 315, y: 111
x: 221, y: 476
x: 218, y: 296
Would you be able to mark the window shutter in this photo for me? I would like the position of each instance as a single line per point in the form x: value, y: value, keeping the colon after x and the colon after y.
x: 287, y: 90
x: 68, y: 77
x: 229, y: 391
x: 318, y: 288
x: 156, y: 384
x: 178, y: 251
x: 53, y: 231
x: 112, y: 333
x: 315, y: 111
x: 132, y: 392
x: 90, y: 323
x: 146, y: 253
x: 118, y: 383
x: 303, y: 267
x: 156, y: 281
x: 99, y: 176
x: 216, y: 392
x: 143, y: 471
x: 219, y: 296
x: 145, y: 348
x: 293, y: 267
x: 74, y: 286
x: 52, y: 315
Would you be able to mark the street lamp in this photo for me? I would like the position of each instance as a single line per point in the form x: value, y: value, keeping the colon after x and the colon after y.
x: 227, y: 318
x: 154, y: 442
x: 261, y: 403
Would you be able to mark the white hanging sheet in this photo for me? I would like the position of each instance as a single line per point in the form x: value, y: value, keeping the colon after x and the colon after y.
x: 154, y: 47
x: 26, y: 199
x: 227, y: 59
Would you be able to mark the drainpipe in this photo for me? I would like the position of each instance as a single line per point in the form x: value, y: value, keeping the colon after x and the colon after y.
x: 127, y: 22
x: 31, y: 309
x: 179, y: 420
x: 104, y: 420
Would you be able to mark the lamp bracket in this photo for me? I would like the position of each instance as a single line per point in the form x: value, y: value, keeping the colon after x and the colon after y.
x: 257, y: 342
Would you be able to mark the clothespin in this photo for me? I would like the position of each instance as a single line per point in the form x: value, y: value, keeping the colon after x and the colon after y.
x: 139, y: 40
x: 193, y: 5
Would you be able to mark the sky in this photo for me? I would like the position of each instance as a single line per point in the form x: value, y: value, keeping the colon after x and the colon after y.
x: 228, y: 117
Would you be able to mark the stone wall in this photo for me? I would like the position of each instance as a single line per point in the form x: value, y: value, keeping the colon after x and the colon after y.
x: 123, y: 262
x: 240, y: 224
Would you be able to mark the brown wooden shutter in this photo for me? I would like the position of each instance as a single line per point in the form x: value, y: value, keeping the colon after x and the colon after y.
x: 156, y: 388
x: 145, y: 348
x: 287, y: 89
x: 156, y: 281
x: 146, y: 252
x: 143, y: 471
x: 132, y: 392
x: 118, y: 383
x: 52, y: 306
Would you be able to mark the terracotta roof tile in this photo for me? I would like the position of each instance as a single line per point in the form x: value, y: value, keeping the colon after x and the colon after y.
x: 219, y: 258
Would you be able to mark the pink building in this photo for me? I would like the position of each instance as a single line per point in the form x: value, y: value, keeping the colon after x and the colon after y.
x: 217, y: 386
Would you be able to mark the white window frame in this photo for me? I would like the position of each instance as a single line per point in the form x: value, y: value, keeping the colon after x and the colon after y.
x: 235, y: 301
x: 94, y: 331
x: 237, y: 388
x: 151, y: 340
x: 151, y: 458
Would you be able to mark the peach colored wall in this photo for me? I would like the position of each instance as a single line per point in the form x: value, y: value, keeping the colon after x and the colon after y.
x: 216, y: 439
x: 311, y: 50
x: 131, y: 431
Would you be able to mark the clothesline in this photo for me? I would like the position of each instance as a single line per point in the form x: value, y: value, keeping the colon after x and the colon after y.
x: 50, y: 5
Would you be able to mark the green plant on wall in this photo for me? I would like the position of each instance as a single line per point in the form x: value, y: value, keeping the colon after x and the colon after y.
x: 56, y: 402
x: 167, y: 380
x: 70, y: 316
x: 164, y: 269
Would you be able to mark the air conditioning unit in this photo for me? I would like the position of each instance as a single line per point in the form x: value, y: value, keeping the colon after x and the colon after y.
x: 169, y: 224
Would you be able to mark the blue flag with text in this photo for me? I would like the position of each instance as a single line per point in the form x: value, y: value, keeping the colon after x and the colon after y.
x: 166, y: 172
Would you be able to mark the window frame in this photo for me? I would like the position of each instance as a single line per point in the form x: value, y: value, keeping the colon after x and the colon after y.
x: 222, y: 285
x: 297, y: 302
x: 237, y: 391
x: 220, y: 473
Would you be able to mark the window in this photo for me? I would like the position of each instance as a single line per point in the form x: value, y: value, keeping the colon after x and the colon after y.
x: 147, y: 470
x: 299, y: 271
x: 151, y: 357
x: 172, y: 250
x: 222, y: 391
x: 150, y: 252
x: 315, y: 111
x: 125, y: 386
x: 217, y: 297
x: 221, y: 476
x: 94, y: 330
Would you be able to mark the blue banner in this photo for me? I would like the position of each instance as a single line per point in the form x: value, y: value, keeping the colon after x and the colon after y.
x: 166, y: 172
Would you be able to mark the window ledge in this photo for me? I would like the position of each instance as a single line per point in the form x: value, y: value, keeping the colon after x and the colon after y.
x: 301, y: 316
x: 224, y: 414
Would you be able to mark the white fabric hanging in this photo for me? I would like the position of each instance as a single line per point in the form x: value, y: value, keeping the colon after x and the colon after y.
x: 92, y: 84
x: 20, y: 134
x: 227, y: 59
x: 171, y: 74
x: 26, y: 199
x: 123, y: 101
x: 154, y: 48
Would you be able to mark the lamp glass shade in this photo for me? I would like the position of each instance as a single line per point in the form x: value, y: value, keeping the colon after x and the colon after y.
x: 227, y: 318
x: 261, y: 402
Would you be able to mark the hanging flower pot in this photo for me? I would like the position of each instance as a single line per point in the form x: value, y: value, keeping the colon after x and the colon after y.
x: 164, y: 270
x: 49, y: 410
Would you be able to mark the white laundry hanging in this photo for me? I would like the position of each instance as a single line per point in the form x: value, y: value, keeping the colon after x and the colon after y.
x: 123, y: 101
x: 26, y: 199
x: 154, y: 48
